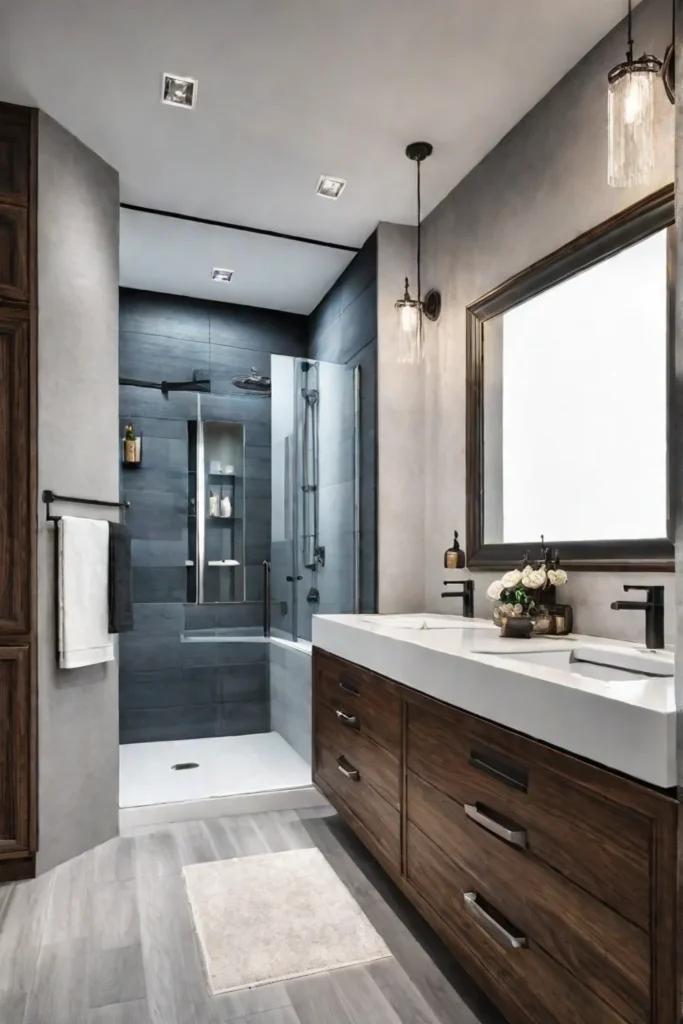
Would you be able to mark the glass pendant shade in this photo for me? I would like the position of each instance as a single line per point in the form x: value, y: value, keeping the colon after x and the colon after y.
x: 409, y: 329
x: 631, y: 117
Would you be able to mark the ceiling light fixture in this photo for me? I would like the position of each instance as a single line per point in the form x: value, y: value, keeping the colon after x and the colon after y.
x: 220, y: 274
x: 631, y: 116
x: 330, y: 188
x: 411, y: 311
x: 179, y: 91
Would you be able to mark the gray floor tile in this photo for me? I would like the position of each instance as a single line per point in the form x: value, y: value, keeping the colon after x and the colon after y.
x: 116, y: 976
x: 136, y: 1012
x: 59, y: 994
x: 316, y: 1001
x: 114, y: 915
x: 22, y: 923
x: 12, y: 1007
x: 157, y: 854
x: 398, y: 990
x: 248, y: 1002
x: 68, y: 915
x: 362, y: 998
x: 113, y: 928
x: 284, y: 1015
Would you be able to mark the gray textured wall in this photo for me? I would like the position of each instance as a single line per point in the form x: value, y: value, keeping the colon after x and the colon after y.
x: 78, y: 252
x: 401, y: 495
x: 543, y: 185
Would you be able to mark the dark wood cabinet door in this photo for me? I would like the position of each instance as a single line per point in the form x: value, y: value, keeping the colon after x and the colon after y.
x: 17, y: 516
x: 15, y: 751
x: 14, y: 160
x: 14, y: 253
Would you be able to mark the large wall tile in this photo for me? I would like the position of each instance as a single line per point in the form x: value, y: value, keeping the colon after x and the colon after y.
x: 258, y: 329
x: 144, y: 725
x: 155, y: 358
x: 171, y: 316
x: 159, y: 584
x: 243, y: 682
x: 243, y: 718
x: 172, y: 687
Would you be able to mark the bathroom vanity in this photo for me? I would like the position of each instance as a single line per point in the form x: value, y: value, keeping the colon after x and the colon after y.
x: 549, y: 871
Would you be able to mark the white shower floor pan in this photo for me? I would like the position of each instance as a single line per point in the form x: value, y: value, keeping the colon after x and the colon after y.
x: 235, y: 775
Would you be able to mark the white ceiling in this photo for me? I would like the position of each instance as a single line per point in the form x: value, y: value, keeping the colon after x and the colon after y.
x: 164, y: 255
x: 288, y: 89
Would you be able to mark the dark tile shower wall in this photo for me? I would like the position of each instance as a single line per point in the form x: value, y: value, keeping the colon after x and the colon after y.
x: 169, y: 689
x: 343, y: 329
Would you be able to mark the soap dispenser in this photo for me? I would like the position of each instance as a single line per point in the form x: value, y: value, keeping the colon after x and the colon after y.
x: 454, y: 558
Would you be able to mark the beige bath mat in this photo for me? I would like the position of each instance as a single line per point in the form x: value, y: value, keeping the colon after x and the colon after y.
x: 275, y: 917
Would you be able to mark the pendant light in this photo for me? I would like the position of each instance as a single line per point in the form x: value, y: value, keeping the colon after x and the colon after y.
x: 631, y: 115
x: 409, y: 310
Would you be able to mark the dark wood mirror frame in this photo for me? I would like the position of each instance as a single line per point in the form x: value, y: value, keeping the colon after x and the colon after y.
x: 634, y: 224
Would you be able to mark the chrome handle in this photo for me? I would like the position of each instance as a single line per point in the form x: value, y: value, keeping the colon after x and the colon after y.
x: 343, y: 685
x: 515, y: 836
x: 491, y: 925
x: 350, y: 720
x: 350, y: 772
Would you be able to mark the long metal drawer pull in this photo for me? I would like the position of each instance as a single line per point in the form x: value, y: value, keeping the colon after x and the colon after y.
x: 491, y: 925
x: 347, y: 769
x: 348, y: 687
x: 350, y: 720
x: 499, y: 769
x: 515, y: 836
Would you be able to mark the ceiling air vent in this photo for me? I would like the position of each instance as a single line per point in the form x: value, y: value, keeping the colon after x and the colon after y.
x: 220, y: 274
x: 179, y: 91
x: 330, y: 188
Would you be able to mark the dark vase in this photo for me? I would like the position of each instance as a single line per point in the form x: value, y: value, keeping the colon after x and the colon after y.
x: 519, y: 626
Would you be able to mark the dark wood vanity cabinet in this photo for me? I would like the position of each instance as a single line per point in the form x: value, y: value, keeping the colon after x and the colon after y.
x: 18, y: 501
x: 15, y: 750
x: 552, y: 880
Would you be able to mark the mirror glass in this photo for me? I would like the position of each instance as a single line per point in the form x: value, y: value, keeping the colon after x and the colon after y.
x: 575, y: 406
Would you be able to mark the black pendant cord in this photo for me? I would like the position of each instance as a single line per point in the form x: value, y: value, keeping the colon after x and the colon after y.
x: 629, y: 54
x: 419, y: 235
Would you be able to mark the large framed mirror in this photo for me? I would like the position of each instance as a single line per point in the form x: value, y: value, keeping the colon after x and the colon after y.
x: 569, y: 401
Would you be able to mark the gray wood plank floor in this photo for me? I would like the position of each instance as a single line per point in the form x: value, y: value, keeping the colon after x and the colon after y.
x: 108, y: 938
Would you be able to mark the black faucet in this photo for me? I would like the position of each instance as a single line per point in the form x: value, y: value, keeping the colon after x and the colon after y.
x: 654, y: 614
x: 467, y: 595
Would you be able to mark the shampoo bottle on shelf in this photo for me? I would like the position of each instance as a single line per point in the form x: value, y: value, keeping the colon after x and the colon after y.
x: 226, y: 507
x: 214, y: 510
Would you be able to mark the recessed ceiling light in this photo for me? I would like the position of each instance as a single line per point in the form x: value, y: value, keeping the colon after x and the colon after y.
x: 179, y: 91
x: 220, y: 274
x: 330, y: 188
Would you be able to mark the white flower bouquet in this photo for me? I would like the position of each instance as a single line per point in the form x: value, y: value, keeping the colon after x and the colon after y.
x: 526, y: 589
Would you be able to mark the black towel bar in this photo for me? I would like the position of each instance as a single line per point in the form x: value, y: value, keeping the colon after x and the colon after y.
x: 49, y: 497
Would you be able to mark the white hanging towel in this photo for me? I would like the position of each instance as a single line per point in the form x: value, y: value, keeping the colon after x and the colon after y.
x: 83, y: 574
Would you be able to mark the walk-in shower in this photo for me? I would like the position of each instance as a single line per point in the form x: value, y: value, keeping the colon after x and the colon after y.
x: 245, y: 516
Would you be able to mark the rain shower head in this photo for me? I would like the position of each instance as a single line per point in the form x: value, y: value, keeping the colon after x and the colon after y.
x: 254, y: 383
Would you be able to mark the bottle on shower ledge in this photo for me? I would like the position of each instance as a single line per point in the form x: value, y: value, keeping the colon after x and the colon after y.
x: 226, y: 507
x: 214, y: 509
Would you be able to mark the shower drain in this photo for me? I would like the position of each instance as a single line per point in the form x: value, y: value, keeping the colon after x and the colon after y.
x: 183, y: 765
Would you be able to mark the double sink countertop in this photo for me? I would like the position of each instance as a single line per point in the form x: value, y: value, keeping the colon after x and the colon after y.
x: 608, y: 701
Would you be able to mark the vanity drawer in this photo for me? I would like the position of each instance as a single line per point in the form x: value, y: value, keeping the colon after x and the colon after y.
x: 606, y: 952
x: 377, y: 766
x: 600, y: 844
x: 358, y: 693
x: 523, y: 974
x: 380, y: 819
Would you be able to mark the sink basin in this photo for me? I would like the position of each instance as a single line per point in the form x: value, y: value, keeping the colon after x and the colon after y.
x: 426, y: 622
x: 609, y: 664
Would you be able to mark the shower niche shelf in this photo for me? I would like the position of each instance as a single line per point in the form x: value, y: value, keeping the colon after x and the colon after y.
x: 212, y: 545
